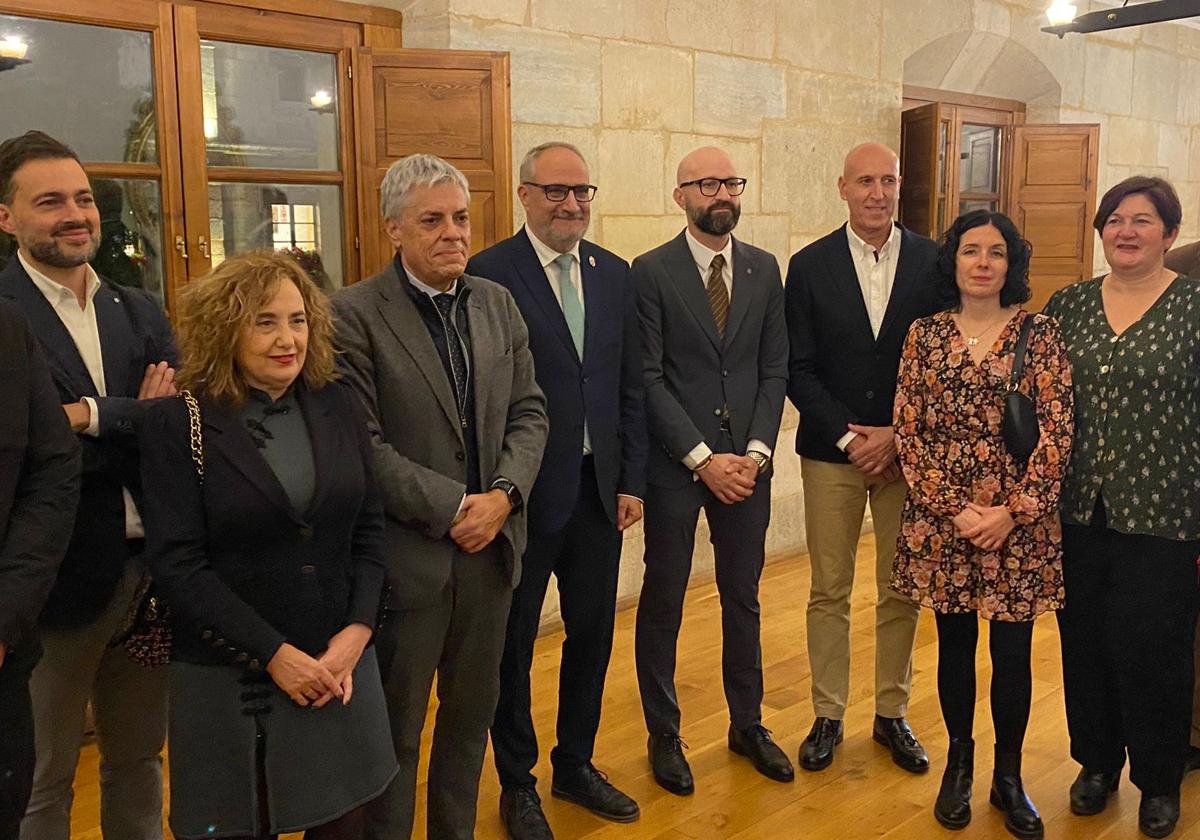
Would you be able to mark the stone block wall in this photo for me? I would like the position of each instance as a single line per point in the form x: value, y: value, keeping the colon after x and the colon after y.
x: 787, y: 87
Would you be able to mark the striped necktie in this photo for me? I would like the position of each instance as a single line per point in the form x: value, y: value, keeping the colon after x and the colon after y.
x: 718, y: 295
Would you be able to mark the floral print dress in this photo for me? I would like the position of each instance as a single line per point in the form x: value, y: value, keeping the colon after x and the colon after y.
x: 948, y: 415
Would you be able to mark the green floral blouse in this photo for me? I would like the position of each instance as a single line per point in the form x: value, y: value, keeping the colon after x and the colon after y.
x: 1137, y: 411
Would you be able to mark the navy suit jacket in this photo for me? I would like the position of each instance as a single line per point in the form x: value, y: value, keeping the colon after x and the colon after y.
x: 605, y: 387
x: 134, y: 333
x: 839, y: 371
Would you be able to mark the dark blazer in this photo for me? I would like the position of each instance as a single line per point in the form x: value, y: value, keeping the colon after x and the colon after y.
x: 390, y: 360
x: 839, y: 372
x: 242, y: 569
x: 39, y: 486
x: 606, y: 388
x: 691, y: 375
x: 134, y: 333
x: 1185, y: 260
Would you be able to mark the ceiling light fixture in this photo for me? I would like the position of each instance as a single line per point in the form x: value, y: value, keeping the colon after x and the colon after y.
x: 1139, y: 14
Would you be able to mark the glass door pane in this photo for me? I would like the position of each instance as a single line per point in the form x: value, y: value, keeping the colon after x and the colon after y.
x: 303, y: 220
x: 90, y: 86
x: 979, y: 159
x: 269, y: 108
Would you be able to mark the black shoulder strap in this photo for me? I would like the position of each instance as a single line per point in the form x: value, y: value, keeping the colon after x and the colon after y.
x: 1018, y: 367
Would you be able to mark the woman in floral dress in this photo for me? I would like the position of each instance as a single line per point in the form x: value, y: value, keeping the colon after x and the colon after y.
x: 980, y: 533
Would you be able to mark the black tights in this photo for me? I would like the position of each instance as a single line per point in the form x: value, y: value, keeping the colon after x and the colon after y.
x: 1012, y: 680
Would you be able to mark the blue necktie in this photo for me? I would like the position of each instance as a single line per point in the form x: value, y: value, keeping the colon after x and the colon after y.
x: 573, y: 312
x: 571, y: 307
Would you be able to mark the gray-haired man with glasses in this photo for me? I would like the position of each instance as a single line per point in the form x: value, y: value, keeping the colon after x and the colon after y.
x: 715, y: 351
x: 583, y: 332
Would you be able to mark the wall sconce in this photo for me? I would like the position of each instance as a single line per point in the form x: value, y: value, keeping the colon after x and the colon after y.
x: 12, y: 52
x: 1061, y: 12
x: 321, y: 102
x: 1139, y: 14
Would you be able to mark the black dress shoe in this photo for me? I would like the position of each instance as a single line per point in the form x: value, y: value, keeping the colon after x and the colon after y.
x: 670, y: 768
x: 816, y: 753
x: 755, y: 744
x: 897, y: 736
x: 1192, y: 762
x: 1089, y: 791
x: 590, y: 788
x: 953, y: 806
x: 1157, y: 815
x: 521, y: 810
x: 1021, y: 818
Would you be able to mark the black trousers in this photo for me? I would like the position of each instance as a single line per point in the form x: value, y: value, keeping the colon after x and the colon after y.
x: 585, y: 557
x: 1009, y: 644
x: 1128, y: 632
x: 738, y: 535
x: 16, y: 742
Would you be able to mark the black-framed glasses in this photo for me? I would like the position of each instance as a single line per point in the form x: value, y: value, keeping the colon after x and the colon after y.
x: 558, y: 192
x: 711, y: 186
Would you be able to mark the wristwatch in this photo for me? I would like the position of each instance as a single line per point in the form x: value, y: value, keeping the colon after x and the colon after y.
x: 510, y: 490
x: 763, y: 461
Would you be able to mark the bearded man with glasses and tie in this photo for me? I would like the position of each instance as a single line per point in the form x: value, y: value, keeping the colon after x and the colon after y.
x: 579, y: 307
x: 715, y: 354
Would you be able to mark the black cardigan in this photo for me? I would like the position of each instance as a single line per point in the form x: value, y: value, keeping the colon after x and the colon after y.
x: 242, y: 570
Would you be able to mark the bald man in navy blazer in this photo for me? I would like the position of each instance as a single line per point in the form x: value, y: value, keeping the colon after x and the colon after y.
x: 576, y: 300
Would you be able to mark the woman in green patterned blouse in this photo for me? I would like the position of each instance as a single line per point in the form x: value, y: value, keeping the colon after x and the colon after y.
x: 1131, y: 508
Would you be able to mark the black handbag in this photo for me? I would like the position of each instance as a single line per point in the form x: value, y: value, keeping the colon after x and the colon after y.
x: 1020, y: 424
x: 146, y: 632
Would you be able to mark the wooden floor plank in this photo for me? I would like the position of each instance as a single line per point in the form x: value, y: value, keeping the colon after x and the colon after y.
x: 862, y: 795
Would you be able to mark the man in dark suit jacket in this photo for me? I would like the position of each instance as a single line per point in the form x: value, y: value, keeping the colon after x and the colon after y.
x: 851, y: 297
x: 441, y: 361
x: 109, y: 350
x: 583, y: 332
x: 39, y: 490
x: 715, y: 350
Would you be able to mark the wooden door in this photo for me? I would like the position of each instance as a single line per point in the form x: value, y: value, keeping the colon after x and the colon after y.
x: 450, y: 103
x: 924, y: 174
x: 1052, y: 199
x: 268, y: 164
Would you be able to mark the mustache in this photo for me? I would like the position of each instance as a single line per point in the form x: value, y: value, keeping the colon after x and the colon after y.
x: 71, y: 227
x: 722, y: 205
x: 576, y: 216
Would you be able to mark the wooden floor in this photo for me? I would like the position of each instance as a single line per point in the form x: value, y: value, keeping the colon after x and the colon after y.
x: 862, y: 795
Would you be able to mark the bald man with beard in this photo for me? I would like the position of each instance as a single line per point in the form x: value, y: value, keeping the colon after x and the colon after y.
x: 715, y: 348
x: 851, y: 297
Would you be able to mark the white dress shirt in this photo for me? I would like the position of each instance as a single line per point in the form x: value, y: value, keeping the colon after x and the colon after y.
x: 876, y: 272
x: 80, y: 322
x: 703, y: 255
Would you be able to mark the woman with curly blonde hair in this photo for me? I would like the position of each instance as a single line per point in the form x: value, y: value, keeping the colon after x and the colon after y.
x: 265, y: 535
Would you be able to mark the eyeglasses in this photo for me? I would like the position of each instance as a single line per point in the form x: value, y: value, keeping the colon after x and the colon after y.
x: 711, y: 186
x: 558, y: 192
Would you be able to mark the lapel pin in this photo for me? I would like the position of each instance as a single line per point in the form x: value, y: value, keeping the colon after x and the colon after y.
x: 116, y: 300
x: 591, y: 261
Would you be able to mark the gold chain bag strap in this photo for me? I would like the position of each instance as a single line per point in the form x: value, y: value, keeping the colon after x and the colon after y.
x: 148, y: 638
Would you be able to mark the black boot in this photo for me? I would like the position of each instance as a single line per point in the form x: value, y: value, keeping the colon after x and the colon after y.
x: 1021, y: 818
x: 953, y: 806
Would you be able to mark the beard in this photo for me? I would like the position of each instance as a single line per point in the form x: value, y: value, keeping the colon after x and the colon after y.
x: 564, y: 237
x: 708, y: 220
x: 49, y: 252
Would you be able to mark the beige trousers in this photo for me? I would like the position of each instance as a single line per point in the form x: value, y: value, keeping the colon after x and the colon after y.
x: 835, y: 500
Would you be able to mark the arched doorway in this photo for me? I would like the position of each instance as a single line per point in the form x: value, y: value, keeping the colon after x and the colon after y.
x: 980, y: 130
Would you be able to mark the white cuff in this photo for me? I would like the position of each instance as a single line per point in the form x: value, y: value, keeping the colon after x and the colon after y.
x: 630, y: 496
x: 93, y: 426
x: 756, y: 445
x: 696, y: 457
x: 845, y: 439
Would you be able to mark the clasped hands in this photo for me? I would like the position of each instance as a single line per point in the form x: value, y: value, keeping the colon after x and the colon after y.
x: 316, y: 681
x: 479, y: 519
x: 731, y: 478
x: 873, y: 452
x: 986, y: 527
